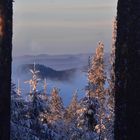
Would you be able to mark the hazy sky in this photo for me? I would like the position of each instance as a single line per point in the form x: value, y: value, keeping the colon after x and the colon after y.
x: 62, y: 26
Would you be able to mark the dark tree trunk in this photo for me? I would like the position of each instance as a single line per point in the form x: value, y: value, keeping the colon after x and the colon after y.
x: 5, y: 66
x: 127, y: 70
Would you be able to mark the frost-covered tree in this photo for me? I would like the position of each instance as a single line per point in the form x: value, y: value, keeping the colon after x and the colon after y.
x: 96, y: 74
x: 86, y: 113
x: 112, y: 62
x: 97, y: 79
x: 71, y: 112
x: 34, y: 80
x: 34, y: 102
x: 56, y: 106
x: 110, y: 91
x: 24, y: 124
x: 20, y: 119
x: 38, y: 107
x: 37, y: 104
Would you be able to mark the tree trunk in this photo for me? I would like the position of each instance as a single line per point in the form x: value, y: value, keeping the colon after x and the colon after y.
x: 127, y: 71
x: 5, y: 66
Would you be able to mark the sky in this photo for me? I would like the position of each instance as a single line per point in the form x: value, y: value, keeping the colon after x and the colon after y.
x: 62, y: 26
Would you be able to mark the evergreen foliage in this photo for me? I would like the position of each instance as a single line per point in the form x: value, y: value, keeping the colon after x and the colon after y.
x: 56, y: 106
x: 71, y: 111
x: 44, y: 117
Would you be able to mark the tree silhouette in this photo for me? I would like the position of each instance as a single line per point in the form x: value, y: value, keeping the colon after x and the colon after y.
x: 127, y: 71
x: 5, y: 66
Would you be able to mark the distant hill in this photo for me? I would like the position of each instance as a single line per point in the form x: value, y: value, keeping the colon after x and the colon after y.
x: 49, y: 73
x: 57, y: 62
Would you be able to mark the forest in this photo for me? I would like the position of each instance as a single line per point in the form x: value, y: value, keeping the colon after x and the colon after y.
x: 43, y: 117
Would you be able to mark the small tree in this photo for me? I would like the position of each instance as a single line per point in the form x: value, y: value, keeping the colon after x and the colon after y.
x: 86, y: 114
x: 96, y: 74
x: 71, y: 114
x: 34, y: 80
x: 56, y: 106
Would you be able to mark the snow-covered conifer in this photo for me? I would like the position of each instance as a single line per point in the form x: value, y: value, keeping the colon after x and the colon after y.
x: 71, y: 114
x: 96, y: 74
x: 111, y: 88
x: 97, y: 79
x: 34, y: 80
x: 56, y: 106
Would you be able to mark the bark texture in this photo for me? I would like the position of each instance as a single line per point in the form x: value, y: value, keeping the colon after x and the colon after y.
x: 5, y: 66
x: 127, y: 71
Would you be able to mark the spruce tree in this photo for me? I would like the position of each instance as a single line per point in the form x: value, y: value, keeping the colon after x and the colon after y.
x: 111, y: 87
x: 97, y: 79
x: 111, y: 79
x: 56, y: 106
x: 96, y: 75
x: 71, y: 112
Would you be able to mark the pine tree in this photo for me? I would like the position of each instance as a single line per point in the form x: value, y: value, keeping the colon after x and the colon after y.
x: 34, y: 80
x: 25, y: 119
x: 71, y: 112
x: 110, y: 91
x: 96, y: 75
x: 97, y: 79
x: 112, y: 61
x: 56, y: 106
x: 86, y: 114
